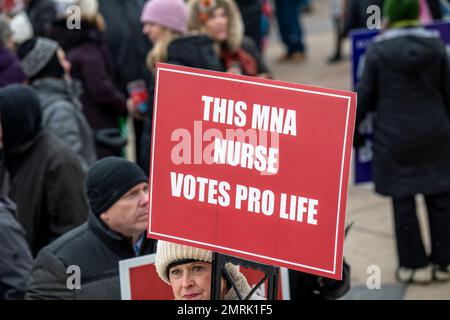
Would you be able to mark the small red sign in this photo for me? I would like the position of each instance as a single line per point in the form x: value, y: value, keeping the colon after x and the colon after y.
x: 251, y: 167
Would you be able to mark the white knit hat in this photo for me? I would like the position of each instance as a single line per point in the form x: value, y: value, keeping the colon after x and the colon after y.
x: 169, y: 252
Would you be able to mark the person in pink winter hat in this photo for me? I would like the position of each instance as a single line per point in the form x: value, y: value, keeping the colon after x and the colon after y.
x: 165, y: 25
x: 163, y: 21
x: 172, y: 14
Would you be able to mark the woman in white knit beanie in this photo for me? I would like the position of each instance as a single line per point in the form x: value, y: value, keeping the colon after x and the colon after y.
x: 188, y: 271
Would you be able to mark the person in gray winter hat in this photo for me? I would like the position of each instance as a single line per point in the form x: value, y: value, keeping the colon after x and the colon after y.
x: 48, y: 72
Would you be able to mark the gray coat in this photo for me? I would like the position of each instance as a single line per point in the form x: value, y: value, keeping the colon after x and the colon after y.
x: 15, y: 256
x: 62, y: 115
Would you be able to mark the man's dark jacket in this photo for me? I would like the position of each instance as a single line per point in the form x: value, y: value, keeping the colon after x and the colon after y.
x: 96, y: 250
x: 15, y: 262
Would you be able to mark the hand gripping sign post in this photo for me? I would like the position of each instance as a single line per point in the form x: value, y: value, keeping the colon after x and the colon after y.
x: 252, y: 168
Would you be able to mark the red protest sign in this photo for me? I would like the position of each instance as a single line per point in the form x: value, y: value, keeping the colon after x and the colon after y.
x: 251, y: 167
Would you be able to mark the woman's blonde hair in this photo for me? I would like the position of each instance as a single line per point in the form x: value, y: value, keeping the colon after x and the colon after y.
x: 235, y: 24
x: 159, y: 51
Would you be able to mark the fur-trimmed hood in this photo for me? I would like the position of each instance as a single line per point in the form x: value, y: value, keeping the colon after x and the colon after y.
x: 235, y: 24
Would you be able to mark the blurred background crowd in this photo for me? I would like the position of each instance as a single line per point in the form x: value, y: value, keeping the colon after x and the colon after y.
x: 77, y: 86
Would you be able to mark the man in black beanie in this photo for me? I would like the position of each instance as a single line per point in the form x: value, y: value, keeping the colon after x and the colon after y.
x: 118, y: 196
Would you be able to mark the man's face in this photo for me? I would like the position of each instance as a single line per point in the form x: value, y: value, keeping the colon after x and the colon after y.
x: 128, y: 215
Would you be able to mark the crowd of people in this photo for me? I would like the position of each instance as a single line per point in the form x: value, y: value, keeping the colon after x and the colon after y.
x: 68, y: 196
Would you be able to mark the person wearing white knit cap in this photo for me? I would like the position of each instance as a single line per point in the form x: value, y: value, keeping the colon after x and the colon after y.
x: 188, y: 271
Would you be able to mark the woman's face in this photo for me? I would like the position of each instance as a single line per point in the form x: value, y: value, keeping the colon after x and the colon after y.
x: 153, y: 31
x: 217, y: 25
x: 192, y: 281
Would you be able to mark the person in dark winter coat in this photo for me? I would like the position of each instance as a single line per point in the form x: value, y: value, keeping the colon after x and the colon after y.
x: 61, y: 109
x: 118, y: 195
x: 128, y: 47
x: 47, y: 182
x: 15, y: 264
x: 171, y: 45
x: 251, y: 11
x: 125, y: 40
x: 10, y: 70
x: 195, y: 51
x: 406, y: 80
x: 103, y: 103
x: 41, y: 13
x: 356, y: 15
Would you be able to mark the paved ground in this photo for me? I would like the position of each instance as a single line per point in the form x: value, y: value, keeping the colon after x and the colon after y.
x: 371, y: 241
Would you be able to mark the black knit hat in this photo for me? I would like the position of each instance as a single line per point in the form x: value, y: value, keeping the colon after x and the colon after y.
x: 20, y: 117
x: 109, y: 179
